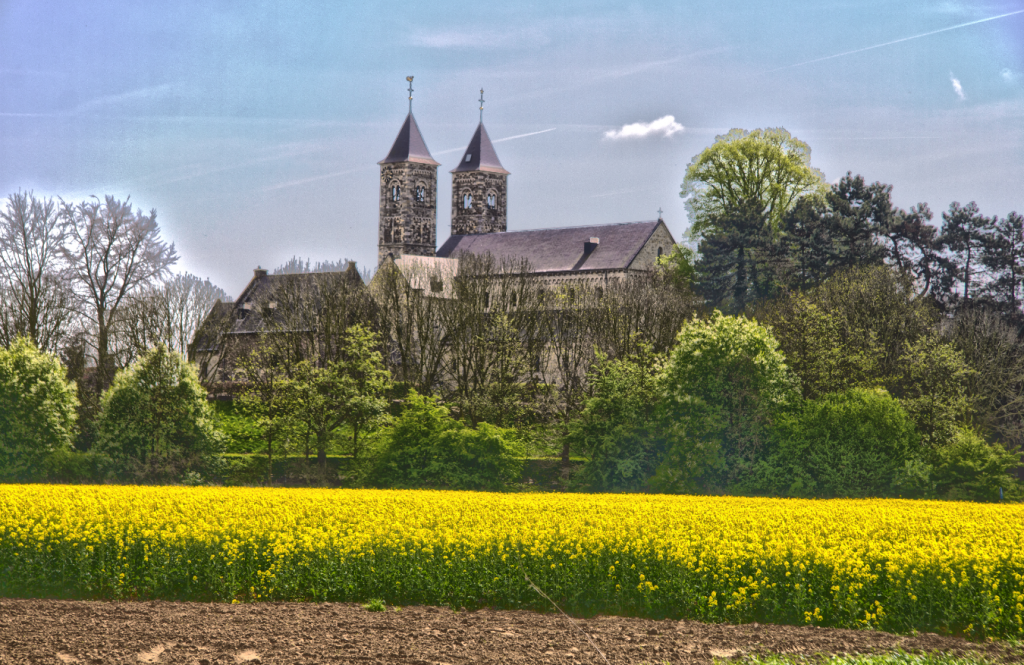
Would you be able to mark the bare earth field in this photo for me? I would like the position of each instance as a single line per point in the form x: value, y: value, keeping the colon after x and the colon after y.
x: 51, y: 631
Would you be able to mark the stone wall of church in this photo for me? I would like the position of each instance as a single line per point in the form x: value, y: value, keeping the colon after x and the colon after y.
x: 479, y: 202
x: 408, y: 210
x: 648, y: 255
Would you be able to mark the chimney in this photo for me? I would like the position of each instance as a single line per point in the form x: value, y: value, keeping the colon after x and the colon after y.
x: 259, y: 272
x: 590, y: 245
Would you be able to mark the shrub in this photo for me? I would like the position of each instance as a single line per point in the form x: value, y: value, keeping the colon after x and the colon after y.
x: 37, y: 410
x: 724, y: 383
x: 848, y: 444
x: 969, y: 468
x: 619, y: 429
x: 155, y: 421
x: 426, y: 447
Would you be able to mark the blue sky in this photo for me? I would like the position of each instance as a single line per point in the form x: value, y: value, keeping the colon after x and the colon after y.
x: 254, y: 128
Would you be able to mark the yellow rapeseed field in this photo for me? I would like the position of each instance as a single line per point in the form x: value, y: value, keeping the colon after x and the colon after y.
x: 895, y: 565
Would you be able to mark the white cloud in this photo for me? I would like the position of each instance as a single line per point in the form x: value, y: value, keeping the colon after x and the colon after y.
x: 665, y: 126
x: 1008, y: 75
x: 957, y: 88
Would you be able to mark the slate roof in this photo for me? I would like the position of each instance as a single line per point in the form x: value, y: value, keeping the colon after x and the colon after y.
x: 409, y: 146
x: 557, y: 250
x: 480, y: 155
x: 248, y: 318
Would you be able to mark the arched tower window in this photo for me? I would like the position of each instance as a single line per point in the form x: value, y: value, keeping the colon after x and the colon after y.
x: 396, y: 192
x: 492, y: 200
x: 421, y: 193
x: 467, y: 201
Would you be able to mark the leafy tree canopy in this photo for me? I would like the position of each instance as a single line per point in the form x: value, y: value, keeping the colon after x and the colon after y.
x: 766, y: 171
x: 37, y: 410
x: 155, y: 419
x: 724, y: 382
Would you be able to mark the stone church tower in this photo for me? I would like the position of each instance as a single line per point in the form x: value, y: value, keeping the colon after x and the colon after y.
x: 479, y: 189
x: 408, y: 196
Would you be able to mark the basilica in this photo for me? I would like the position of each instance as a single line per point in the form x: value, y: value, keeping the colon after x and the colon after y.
x: 407, y: 234
x: 407, y: 241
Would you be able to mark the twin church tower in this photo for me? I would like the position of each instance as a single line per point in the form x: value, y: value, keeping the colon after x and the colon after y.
x: 408, y: 192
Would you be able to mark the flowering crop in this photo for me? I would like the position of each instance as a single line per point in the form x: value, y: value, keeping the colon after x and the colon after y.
x: 894, y: 565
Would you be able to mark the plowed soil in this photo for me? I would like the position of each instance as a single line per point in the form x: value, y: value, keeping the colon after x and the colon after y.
x: 49, y: 631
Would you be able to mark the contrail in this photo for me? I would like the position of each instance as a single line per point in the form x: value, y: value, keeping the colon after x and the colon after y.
x: 519, y: 136
x: 898, y: 41
x: 507, y: 138
x: 327, y: 176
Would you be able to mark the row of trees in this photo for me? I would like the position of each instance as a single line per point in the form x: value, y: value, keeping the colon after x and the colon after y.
x: 764, y: 221
x: 852, y: 388
x: 91, y: 282
x: 93, y: 278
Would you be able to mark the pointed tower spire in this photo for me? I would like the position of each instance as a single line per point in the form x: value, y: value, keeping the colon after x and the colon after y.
x: 408, y: 194
x: 480, y: 155
x: 479, y: 187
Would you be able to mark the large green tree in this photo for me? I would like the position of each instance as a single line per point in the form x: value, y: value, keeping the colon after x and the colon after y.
x: 37, y: 410
x: 724, y: 383
x: 738, y: 192
x: 155, y: 420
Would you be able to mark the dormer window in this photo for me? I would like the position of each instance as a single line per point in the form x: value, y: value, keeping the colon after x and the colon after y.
x: 492, y: 200
x: 421, y: 193
x: 469, y: 156
x: 396, y: 192
x: 467, y: 201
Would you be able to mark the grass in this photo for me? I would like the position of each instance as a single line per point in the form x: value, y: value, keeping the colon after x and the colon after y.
x: 899, y: 657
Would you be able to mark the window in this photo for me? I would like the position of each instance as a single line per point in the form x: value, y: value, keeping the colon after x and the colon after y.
x: 396, y: 192
x: 512, y: 300
x: 436, y: 285
x: 487, y: 300
x: 492, y: 200
x: 659, y: 252
x: 467, y: 201
x: 469, y: 156
x: 421, y: 193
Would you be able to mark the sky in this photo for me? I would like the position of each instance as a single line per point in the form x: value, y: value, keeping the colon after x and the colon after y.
x: 254, y: 129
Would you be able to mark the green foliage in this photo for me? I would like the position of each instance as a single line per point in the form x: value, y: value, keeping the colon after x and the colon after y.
x: 724, y: 383
x: 848, y: 444
x: 866, y: 328
x: 37, y: 410
x: 426, y: 447
x: 678, y: 265
x: 240, y: 433
x: 766, y: 169
x: 155, y: 421
x: 970, y: 469
x: 73, y: 467
x: 375, y: 605
x: 618, y: 429
x: 898, y: 657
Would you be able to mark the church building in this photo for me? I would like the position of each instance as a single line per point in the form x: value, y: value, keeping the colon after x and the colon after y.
x: 407, y: 240
x: 479, y: 222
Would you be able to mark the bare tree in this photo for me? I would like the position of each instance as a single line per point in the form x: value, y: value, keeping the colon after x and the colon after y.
x: 169, y: 312
x: 35, y: 299
x: 114, y: 251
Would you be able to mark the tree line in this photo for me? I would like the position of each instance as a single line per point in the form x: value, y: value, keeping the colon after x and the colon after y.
x: 808, y: 340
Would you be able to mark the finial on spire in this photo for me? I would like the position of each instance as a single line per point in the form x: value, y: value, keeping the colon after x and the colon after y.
x: 409, y: 79
x: 481, y: 104
x: 659, y: 214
